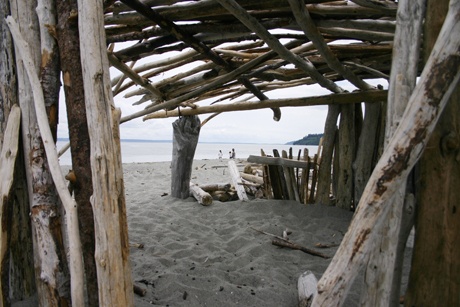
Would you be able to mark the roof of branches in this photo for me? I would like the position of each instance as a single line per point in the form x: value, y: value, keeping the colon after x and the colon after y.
x: 237, y: 51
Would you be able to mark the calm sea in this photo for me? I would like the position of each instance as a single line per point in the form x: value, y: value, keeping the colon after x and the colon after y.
x: 151, y: 151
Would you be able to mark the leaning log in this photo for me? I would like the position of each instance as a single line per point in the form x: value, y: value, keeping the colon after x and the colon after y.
x: 38, y: 138
x: 201, y: 196
x: 236, y: 179
x: 8, y: 156
x: 430, y: 96
x: 383, y: 272
x: 185, y: 138
x: 437, y: 217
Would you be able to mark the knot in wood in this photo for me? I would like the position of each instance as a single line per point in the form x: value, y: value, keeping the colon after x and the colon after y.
x: 450, y: 143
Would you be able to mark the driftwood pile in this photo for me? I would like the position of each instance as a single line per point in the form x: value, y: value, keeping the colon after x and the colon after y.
x: 242, y: 185
x: 288, y: 178
x: 278, y: 177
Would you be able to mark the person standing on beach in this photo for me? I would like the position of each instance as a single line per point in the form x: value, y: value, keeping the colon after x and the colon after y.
x: 220, y: 154
x: 233, y: 153
x: 230, y: 154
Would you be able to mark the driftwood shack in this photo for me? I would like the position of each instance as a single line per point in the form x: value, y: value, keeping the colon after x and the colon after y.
x: 390, y: 152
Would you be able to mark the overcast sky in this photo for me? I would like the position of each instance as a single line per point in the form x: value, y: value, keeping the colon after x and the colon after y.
x: 256, y: 126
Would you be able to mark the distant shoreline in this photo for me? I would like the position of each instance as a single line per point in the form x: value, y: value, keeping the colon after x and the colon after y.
x: 170, y: 141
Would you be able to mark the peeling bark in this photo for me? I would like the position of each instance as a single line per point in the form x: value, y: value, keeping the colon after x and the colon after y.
x: 69, y: 47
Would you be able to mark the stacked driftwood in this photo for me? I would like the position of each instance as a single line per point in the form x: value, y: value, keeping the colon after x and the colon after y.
x: 271, y: 177
x: 242, y: 184
x: 287, y: 178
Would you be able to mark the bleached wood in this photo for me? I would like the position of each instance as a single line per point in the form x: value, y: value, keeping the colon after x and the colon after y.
x: 424, y: 108
x: 306, y: 286
x: 8, y: 156
x: 108, y: 199
x: 216, y: 187
x: 75, y: 252
x: 345, y: 98
x: 201, y: 196
x: 380, y: 285
x: 252, y: 178
x: 308, y: 27
x: 236, y: 180
x: 303, y: 64
x: 134, y: 76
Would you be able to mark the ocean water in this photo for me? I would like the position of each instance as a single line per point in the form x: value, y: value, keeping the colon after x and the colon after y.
x: 159, y: 151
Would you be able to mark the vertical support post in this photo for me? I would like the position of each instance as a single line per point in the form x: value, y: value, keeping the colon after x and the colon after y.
x: 186, y: 131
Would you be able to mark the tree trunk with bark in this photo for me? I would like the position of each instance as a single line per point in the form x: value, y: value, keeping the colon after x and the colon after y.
x: 108, y: 199
x: 69, y: 48
x: 435, y: 273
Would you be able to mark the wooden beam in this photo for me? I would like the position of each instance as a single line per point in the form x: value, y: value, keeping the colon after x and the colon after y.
x: 278, y: 161
x: 302, y: 63
x: 331, y: 99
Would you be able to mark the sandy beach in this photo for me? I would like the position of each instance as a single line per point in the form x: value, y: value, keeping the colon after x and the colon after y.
x: 196, y: 255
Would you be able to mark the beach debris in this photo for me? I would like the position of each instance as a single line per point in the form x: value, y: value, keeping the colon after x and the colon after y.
x: 201, y: 196
x: 307, y: 288
x: 139, y: 290
x: 280, y: 241
x: 292, y: 245
x: 137, y: 245
x: 164, y: 194
x: 322, y: 245
x: 286, y: 233
x: 236, y: 179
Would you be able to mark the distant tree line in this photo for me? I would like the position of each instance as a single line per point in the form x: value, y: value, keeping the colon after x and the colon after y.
x: 310, y: 139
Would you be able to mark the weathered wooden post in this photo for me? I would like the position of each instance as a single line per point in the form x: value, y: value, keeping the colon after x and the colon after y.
x: 185, y: 138
x: 382, y: 279
x: 437, y: 216
x: 108, y: 199
x: 438, y: 80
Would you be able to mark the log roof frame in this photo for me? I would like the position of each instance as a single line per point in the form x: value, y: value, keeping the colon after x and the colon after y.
x: 244, y: 49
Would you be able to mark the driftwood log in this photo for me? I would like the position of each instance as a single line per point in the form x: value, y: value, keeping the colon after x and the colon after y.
x: 306, y: 286
x: 426, y: 104
x: 8, y: 156
x: 236, y: 179
x: 185, y: 139
x: 216, y: 187
x: 201, y: 196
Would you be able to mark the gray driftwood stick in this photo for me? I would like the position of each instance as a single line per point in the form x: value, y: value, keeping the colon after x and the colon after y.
x: 278, y: 161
